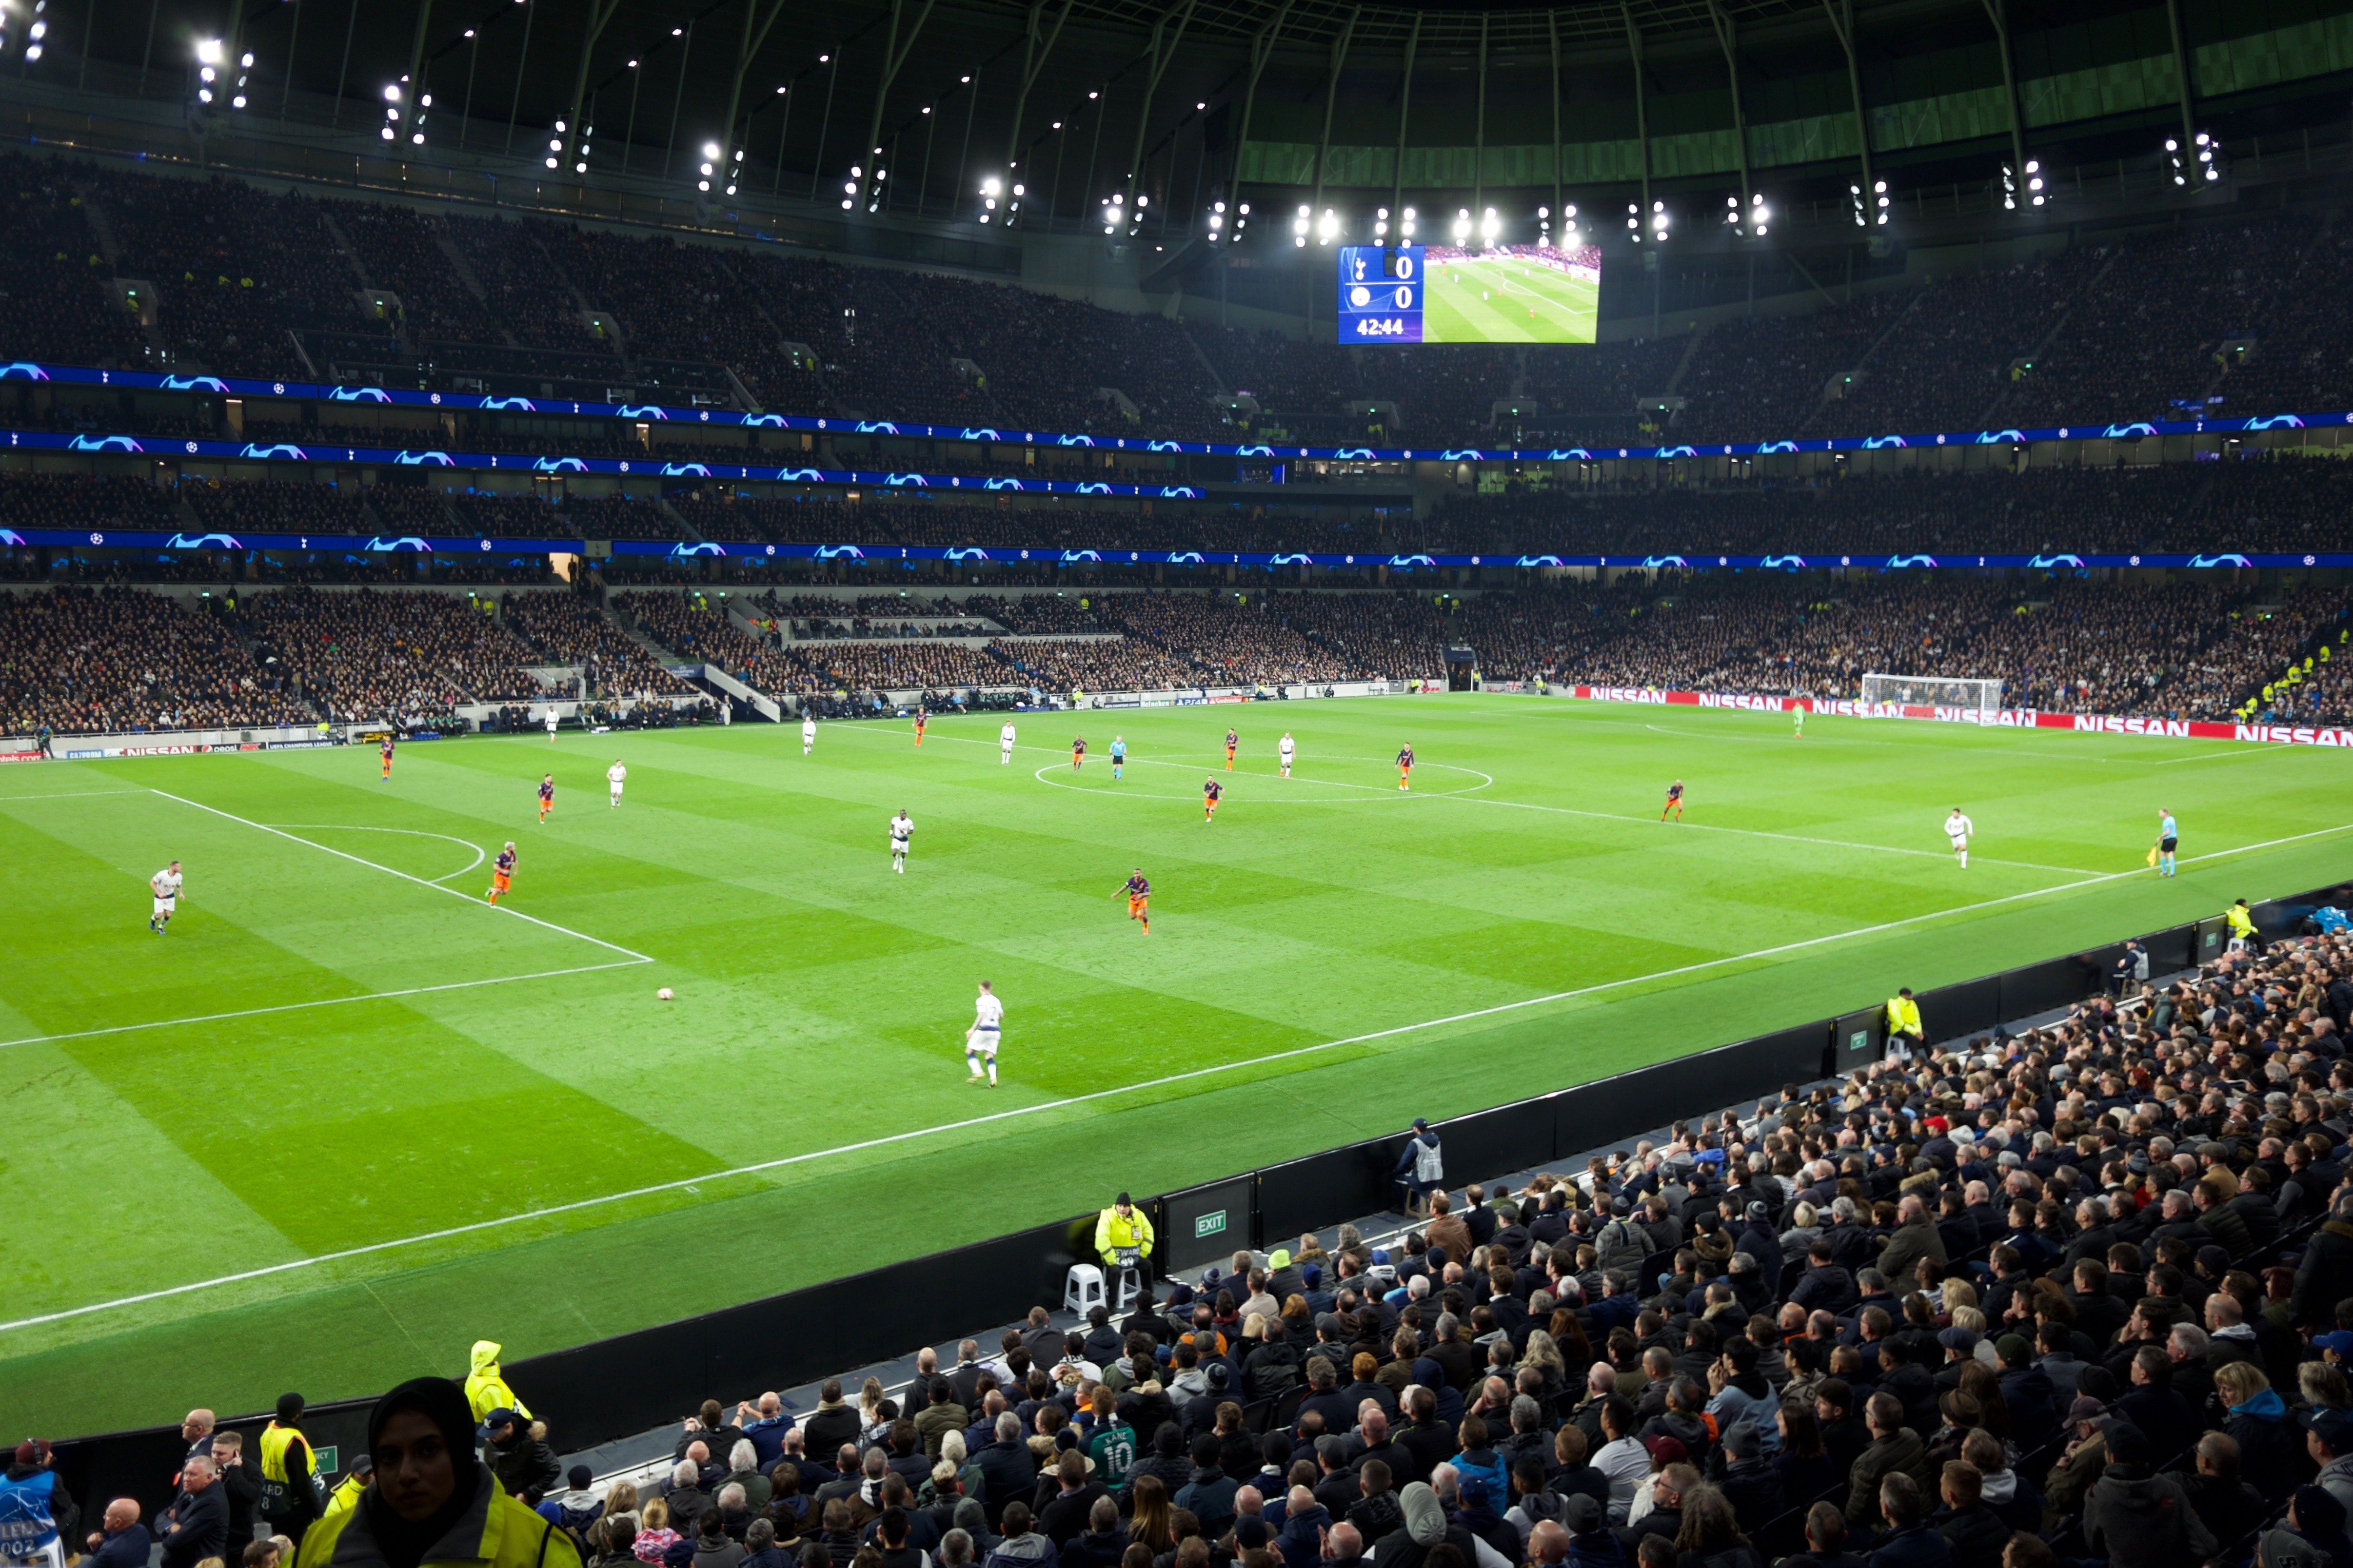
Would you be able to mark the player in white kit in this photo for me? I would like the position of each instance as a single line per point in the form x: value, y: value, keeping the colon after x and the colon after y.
x: 1957, y: 828
x: 1284, y: 753
x: 808, y: 732
x: 901, y: 825
x: 1005, y: 742
x: 617, y: 775
x: 165, y: 885
x: 980, y: 1041
x: 551, y: 723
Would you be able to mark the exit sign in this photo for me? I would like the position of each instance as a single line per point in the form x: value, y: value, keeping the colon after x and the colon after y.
x: 1208, y: 1224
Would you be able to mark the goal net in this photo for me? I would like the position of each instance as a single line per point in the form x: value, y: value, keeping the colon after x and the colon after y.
x: 1983, y: 697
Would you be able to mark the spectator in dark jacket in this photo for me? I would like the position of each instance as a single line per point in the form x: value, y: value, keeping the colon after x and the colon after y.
x: 1824, y: 1286
x: 526, y: 1467
x: 196, y: 1524
x: 2230, y: 1508
x: 123, y: 1542
x: 1910, y: 1542
x: 2136, y: 1518
x: 1976, y: 1533
x: 2325, y: 1277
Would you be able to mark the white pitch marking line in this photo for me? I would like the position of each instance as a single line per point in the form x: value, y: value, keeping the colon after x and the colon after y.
x: 1790, y: 837
x: 69, y: 794
x: 692, y: 1183
x: 357, y: 860
x: 322, y: 1002
x: 412, y: 832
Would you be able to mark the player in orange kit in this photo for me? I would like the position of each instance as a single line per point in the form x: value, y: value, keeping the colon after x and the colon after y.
x: 922, y: 718
x: 546, y: 795
x: 1138, y: 889
x: 1232, y: 741
x: 1405, y: 764
x: 1078, y: 749
x: 387, y: 755
x: 503, y: 871
x: 1210, y: 790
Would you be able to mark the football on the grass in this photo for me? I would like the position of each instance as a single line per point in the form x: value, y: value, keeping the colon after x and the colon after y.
x: 662, y: 994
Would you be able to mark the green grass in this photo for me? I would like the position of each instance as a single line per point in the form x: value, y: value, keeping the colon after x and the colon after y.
x: 359, y: 1189
x: 1507, y: 300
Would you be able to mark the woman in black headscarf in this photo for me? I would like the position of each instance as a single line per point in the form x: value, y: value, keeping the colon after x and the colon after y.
x: 430, y: 1492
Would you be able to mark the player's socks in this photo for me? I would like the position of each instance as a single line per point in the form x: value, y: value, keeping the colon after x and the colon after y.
x: 992, y: 1072
x: 972, y: 1060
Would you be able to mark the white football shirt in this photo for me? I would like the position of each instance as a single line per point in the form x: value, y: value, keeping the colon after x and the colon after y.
x: 617, y: 773
x: 1959, y: 827
x: 166, y: 883
x: 987, y: 1012
x: 901, y: 825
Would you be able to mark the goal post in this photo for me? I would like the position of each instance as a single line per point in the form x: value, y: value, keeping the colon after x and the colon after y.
x: 1983, y: 697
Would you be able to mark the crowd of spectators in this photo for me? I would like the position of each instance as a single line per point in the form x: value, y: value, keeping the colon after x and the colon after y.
x: 570, y: 628
x: 362, y: 655
x: 2096, y: 335
x: 1099, y: 664
x: 81, y: 660
x: 695, y: 627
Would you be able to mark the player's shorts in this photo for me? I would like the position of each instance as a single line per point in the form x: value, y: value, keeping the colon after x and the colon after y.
x: 897, y: 847
x: 2167, y: 845
x: 499, y: 881
x: 165, y: 906
x: 985, y: 1041
x: 613, y: 787
x: 1960, y: 840
x: 1134, y: 907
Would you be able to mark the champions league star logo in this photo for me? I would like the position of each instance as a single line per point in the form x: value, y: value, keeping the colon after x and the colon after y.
x: 2197, y: 561
x: 839, y: 552
x: 765, y: 421
x: 1163, y: 446
x: 1003, y: 485
x: 22, y: 370
x: 2276, y: 422
x: 1073, y: 557
x: 973, y: 552
x: 380, y: 544
x: 1186, y: 558
x: 685, y: 470
x: 1783, y: 562
x: 642, y: 411
x: 195, y: 383
x: 1897, y: 563
x: 295, y: 454
x: 560, y: 466
x: 1540, y: 561
x: 510, y: 406
x: 2050, y: 562
x: 1994, y: 437
x: 358, y: 395
x: 705, y: 548
x: 1874, y: 443
x: 1094, y: 487
x: 1654, y: 563
x: 2126, y: 432
x: 1410, y: 562
x: 107, y: 444
x: 1074, y: 441
x: 983, y: 433
x: 877, y: 428
x: 426, y: 460
x: 203, y: 542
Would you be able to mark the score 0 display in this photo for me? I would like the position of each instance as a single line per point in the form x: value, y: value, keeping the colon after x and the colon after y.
x: 1380, y: 294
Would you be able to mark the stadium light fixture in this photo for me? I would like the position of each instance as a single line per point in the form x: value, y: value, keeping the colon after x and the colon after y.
x: 1381, y: 224
x: 1217, y: 222
x: 1544, y: 227
x: 1462, y: 227
x: 991, y: 189
x: 1327, y: 227
x: 40, y: 30
x: 2035, y: 192
x: 1405, y: 223
x: 1299, y: 227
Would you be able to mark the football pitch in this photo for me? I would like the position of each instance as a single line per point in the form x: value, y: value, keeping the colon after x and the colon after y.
x: 345, y: 1119
x: 1508, y: 299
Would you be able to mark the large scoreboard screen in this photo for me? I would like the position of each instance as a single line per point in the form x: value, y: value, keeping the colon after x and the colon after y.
x: 1510, y: 294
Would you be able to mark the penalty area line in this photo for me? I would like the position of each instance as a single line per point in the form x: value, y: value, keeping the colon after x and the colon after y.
x: 1010, y: 1113
x: 374, y: 866
x: 322, y: 1002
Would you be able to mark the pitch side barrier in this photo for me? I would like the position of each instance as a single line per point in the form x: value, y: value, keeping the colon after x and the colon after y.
x: 609, y: 1389
x: 2006, y: 718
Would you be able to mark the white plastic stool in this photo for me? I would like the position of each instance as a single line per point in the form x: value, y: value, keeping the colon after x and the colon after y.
x: 1084, y: 1289
x: 1131, y: 1285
